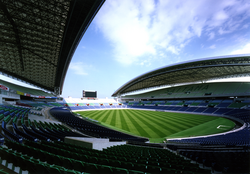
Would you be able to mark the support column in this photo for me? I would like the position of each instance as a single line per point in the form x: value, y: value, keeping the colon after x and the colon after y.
x: 57, y: 91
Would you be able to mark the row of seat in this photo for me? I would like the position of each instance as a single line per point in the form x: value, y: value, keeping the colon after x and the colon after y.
x: 90, y: 128
x: 218, y: 102
x: 9, y: 134
x: 130, y: 157
x: 74, y: 165
x: 19, y: 133
x: 239, y: 138
x: 34, y: 166
x: 221, y: 161
x: 91, y: 164
x: 96, y: 107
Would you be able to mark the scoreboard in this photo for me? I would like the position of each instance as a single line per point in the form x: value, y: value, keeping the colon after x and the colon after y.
x: 92, y: 94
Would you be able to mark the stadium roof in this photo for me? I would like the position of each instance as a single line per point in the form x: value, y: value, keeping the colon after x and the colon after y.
x: 39, y: 38
x: 189, y: 72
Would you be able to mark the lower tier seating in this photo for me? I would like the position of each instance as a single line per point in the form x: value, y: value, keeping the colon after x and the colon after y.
x: 90, y: 128
x: 239, y: 138
x: 63, y: 157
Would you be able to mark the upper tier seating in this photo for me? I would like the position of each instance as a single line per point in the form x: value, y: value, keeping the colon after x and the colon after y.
x: 196, y: 90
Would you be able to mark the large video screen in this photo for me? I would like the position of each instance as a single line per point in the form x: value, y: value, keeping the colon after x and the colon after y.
x: 89, y: 94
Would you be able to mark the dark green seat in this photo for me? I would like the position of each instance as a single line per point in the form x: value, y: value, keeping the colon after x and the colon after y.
x: 140, y: 167
x: 105, y: 169
x: 23, y: 163
x: 166, y: 165
x: 135, y: 172
x: 91, y: 168
x: 72, y: 172
x: 41, y: 155
x: 167, y: 170
x: 120, y: 170
x: 103, y: 156
x: 127, y: 165
x: 153, y: 163
x: 11, y: 157
x: 115, y: 163
x: 121, y: 158
x: 40, y: 168
x: 68, y: 154
x: 49, y: 159
x: 4, y: 154
x: 76, y: 156
x: 25, y: 150
x: 141, y: 161
x: 67, y: 163
x: 31, y: 166
x: 153, y: 169
x: 112, y: 157
x: 55, y: 170
x: 133, y: 160
x: 79, y: 166
x: 57, y: 160
x: 103, y: 161
x: 84, y: 158
x: 93, y: 160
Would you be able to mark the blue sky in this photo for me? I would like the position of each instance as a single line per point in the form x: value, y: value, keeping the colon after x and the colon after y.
x: 130, y: 37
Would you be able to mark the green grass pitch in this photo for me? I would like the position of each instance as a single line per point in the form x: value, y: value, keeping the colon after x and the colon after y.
x: 158, y: 126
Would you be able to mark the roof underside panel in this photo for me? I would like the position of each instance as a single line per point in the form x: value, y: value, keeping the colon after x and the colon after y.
x: 196, y: 71
x: 33, y: 36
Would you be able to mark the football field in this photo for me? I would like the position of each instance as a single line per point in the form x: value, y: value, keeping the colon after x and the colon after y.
x: 158, y: 126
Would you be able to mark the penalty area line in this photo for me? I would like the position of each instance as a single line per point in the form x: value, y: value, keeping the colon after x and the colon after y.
x: 222, y: 127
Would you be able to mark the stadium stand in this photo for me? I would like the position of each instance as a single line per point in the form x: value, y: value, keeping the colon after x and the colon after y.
x: 196, y: 90
x: 34, y: 141
x: 227, y: 99
x: 39, y: 143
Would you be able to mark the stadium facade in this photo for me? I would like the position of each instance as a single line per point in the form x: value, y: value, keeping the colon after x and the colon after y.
x: 193, y: 71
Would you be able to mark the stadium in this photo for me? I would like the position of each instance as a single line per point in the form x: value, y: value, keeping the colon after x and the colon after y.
x: 183, y: 123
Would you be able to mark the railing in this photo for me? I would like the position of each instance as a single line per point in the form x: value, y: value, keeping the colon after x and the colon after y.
x: 10, y: 94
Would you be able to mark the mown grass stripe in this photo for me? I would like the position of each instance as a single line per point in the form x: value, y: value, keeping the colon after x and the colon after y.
x: 172, y: 124
x: 205, y: 128
x: 96, y: 116
x: 192, y: 118
x: 118, y: 122
x: 168, y: 130
x: 88, y: 113
x: 184, y: 121
x: 152, y: 125
x: 173, y: 116
x: 113, y: 118
x: 109, y: 117
x: 104, y: 117
x: 136, y: 125
x: 92, y: 114
x: 182, y: 115
x: 124, y: 123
